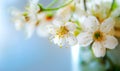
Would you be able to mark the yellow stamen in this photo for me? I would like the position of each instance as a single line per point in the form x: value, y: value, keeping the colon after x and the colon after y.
x: 27, y: 18
x: 37, y: 23
x: 62, y: 31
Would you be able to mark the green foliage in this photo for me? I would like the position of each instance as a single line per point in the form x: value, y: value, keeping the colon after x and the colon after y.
x: 25, y: 14
x: 114, y: 5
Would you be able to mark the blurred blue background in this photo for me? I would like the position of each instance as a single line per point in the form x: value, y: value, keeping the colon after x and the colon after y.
x: 34, y: 54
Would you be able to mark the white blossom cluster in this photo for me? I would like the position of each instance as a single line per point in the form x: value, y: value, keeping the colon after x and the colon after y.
x: 83, y: 22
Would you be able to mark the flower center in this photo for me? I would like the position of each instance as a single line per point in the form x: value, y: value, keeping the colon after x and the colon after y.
x: 27, y: 18
x: 62, y: 31
x: 37, y: 23
x: 98, y: 36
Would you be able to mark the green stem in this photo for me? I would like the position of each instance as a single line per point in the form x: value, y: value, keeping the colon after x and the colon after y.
x: 85, y: 6
x: 91, y: 49
x: 113, y: 2
x: 111, y: 8
x: 52, y: 9
x: 51, y: 4
x: 102, y: 60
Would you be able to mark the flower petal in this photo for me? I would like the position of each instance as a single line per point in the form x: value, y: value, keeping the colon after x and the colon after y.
x: 91, y: 24
x: 42, y: 15
x: 58, y: 23
x: 70, y: 26
x: 42, y: 30
x: 79, y: 11
x: 107, y: 25
x: 29, y: 30
x: 85, y: 39
x: 19, y: 25
x: 110, y: 42
x: 65, y: 13
x: 98, y: 49
x: 59, y: 41
x: 52, y: 29
x: 71, y: 40
x: 16, y: 13
x: 33, y: 6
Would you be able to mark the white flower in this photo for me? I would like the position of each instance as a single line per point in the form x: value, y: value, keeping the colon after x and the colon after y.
x: 64, y: 14
x: 116, y: 14
x: 33, y: 7
x: 18, y: 19
x: 45, y: 20
x: 62, y: 33
x: 41, y: 21
x: 32, y: 10
x: 32, y: 20
x: 40, y: 25
x: 23, y: 21
x: 100, y: 9
x: 62, y: 30
x: 27, y: 20
x: 100, y: 34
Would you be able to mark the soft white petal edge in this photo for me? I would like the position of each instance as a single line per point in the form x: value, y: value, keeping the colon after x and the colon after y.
x: 64, y: 13
x: 59, y: 41
x: 70, y: 26
x: 33, y: 5
x: 51, y: 29
x: 19, y: 25
x: 98, y: 49
x: 58, y: 23
x: 91, y: 23
x: 107, y: 25
x: 111, y: 42
x: 42, y: 30
x: 85, y: 39
x: 29, y: 30
x: 71, y: 40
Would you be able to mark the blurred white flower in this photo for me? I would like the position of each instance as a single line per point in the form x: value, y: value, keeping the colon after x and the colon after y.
x: 19, y: 19
x: 99, y: 8
x: 40, y: 24
x: 76, y: 1
x: 33, y: 7
x: 101, y: 34
x: 62, y: 30
x: 26, y: 20
x: 65, y: 13
x: 44, y: 20
x: 34, y: 19
x: 62, y: 33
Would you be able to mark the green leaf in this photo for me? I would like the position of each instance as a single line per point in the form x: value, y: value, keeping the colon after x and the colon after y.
x: 114, y: 5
